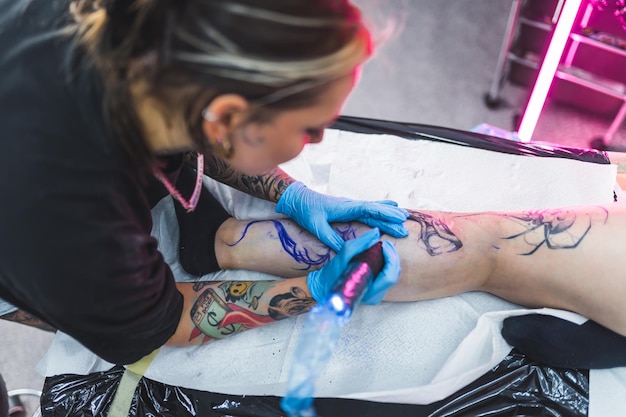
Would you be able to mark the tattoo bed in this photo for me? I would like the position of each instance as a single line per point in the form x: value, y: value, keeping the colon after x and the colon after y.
x: 393, y: 359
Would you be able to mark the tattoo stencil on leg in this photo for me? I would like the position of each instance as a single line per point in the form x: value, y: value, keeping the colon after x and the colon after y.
x: 434, y: 234
x: 556, y: 228
x: 347, y: 232
x: 299, y: 253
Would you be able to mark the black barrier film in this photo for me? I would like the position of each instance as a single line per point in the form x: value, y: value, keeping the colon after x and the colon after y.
x: 515, y: 387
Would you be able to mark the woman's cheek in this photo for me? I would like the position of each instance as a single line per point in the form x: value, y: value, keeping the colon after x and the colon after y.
x: 296, y: 149
x: 286, y: 149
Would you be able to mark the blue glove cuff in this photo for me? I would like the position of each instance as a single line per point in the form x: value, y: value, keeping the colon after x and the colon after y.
x: 318, y: 292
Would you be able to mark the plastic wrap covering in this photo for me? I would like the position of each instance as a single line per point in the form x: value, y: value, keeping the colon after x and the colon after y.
x: 517, y: 386
x: 466, y: 138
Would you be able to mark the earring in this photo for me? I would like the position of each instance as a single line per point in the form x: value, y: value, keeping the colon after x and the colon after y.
x: 225, y: 147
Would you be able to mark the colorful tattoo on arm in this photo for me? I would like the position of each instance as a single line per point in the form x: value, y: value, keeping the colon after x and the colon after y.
x: 308, y: 257
x: 290, y: 304
x: 435, y: 234
x: 270, y: 186
x: 553, y: 228
x: 225, y: 309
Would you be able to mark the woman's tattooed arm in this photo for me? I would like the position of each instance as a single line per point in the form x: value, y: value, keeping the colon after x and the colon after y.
x: 22, y: 317
x: 221, y: 309
x: 269, y: 186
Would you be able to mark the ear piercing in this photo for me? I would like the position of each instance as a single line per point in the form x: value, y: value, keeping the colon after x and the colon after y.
x: 209, y: 116
x: 223, y: 146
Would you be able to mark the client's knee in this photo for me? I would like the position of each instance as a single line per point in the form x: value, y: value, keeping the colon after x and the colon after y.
x: 225, y: 251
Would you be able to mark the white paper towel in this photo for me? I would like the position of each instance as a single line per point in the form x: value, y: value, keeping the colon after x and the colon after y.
x: 442, y: 176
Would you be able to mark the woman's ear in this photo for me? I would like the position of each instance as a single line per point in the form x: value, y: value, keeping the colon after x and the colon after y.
x: 224, y: 114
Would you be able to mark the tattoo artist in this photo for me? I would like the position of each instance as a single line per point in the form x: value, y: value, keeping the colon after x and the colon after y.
x: 107, y: 106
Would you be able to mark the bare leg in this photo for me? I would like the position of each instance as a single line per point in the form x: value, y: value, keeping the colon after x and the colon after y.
x: 278, y: 247
x: 433, y: 263
x: 570, y: 258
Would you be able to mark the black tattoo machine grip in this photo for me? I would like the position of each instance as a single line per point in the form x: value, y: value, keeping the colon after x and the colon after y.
x: 360, y: 272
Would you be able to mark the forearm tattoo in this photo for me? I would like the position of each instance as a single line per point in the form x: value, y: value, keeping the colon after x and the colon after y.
x: 234, y: 306
x: 22, y: 317
x: 434, y: 234
x: 270, y: 186
x: 554, y: 228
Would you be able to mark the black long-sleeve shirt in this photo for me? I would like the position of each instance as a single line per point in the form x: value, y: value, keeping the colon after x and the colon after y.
x: 75, y: 244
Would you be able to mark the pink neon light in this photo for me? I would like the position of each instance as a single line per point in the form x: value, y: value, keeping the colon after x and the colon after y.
x: 548, y: 69
x: 586, y: 16
x: 584, y: 22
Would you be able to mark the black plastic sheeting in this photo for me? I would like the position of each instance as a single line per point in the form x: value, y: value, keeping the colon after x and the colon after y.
x: 516, y: 387
x: 470, y: 139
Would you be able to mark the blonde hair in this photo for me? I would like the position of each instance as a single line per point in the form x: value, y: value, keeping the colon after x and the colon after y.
x: 276, y: 54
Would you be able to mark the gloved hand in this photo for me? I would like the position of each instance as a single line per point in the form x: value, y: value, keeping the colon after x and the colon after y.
x: 315, y: 212
x: 321, y: 282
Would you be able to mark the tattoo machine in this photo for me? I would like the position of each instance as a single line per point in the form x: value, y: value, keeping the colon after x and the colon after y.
x: 351, y: 286
x: 322, y: 328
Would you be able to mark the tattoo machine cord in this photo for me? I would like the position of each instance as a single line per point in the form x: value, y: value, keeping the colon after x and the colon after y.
x: 322, y: 328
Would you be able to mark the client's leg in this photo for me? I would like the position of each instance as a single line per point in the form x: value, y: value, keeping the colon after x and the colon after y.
x: 279, y: 247
x: 431, y: 256
x: 567, y: 258
x: 570, y: 258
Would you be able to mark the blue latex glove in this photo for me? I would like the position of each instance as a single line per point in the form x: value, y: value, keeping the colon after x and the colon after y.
x: 315, y: 211
x: 321, y: 282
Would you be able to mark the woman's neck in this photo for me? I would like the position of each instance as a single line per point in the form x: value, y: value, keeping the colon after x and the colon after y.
x: 164, y: 133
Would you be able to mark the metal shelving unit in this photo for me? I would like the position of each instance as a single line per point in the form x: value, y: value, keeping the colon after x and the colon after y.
x: 569, y: 71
